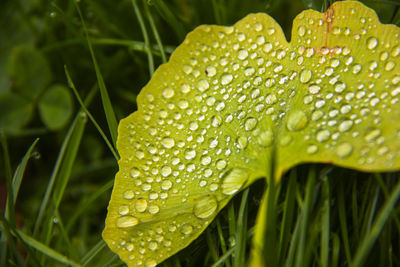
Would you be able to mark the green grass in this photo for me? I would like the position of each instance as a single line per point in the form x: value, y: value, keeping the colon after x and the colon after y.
x: 56, y: 184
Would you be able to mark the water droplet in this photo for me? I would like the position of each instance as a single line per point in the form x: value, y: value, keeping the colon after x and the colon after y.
x: 211, y: 71
x: 168, y: 142
x: 153, y: 245
x: 127, y: 221
x: 345, y: 125
x: 314, y: 89
x: 128, y: 194
x: 151, y: 263
x: 166, y: 185
x: 134, y: 172
x: 168, y: 92
x: 203, y: 85
x: 205, y: 207
x: 186, y: 229
x: 140, y: 204
x: 372, y: 135
x: 250, y: 124
x: 205, y: 160
x: 301, y: 30
x: 154, y: 209
x: 340, y: 87
x: 165, y: 171
x: 265, y: 138
x: 242, y: 142
x: 226, y: 78
x: 216, y: 121
x: 123, y: 210
x: 344, y: 150
x: 190, y: 154
x: 323, y: 135
x: 312, y: 149
x: 271, y: 99
x: 372, y: 42
x: 233, y: 180
x: 305, y: 75
x: 390, y: 66
x: 242, y: 54
x: 296, y: 121
x: 220, y: 164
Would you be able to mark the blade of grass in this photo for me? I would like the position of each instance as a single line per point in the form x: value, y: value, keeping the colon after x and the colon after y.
x: 305, y: 213
x: 93, y: 252
x: 169, y: 17
x: 92, y: 119
x: 19, y: 172
x: 343, y: 221
x: 287, y: 219
x: 7, y: 232
x: 335, y: 250
x: 325, y: 219
x: 30, y: 241
x: 86, y: 204
x: 10, y: 216
x: 108, y: 109
x: 224, y: 257
x: 155, y: 32
x: 222, y: 240
x: 211, y: 242
x: 240, y: 252
x: 382, y: 217
x: 145, y: 37
x: 56, y: 170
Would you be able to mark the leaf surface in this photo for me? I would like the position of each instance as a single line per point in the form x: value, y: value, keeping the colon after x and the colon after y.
x: 208, y: 120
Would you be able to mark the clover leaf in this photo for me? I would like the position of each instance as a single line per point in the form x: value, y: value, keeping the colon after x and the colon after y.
x: 209, y: 119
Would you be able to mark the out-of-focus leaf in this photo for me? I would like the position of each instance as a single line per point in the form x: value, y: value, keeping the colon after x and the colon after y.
x: 15, y: 112
x: 29, y: 71
x: 55, y: 107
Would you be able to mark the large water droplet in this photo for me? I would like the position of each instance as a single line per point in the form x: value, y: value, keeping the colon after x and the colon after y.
x: 345, y: 125
x: 186, y: 229
x: 250, y: 124
x: 166, y: 185
x: 140, y: 204
x: 168, y: 92
x: 301, y: 30
x: 203, y: 85
x: 220, y: 164
x: 296, y: 121
x: 226, y: 78
x: 305, y: 75
x: 372, y: 42
x: 127, y: 221
x: 205, y: 207
x: 134, y: 172
x: 165, y: 171
x: 168, y: 142
x: 233, y: 180
x: 265, y: 138
x: 242, y: 142
x: 344, y: 150
x: 323, y: 135
x: 128, y: 194
x: 372, y: 135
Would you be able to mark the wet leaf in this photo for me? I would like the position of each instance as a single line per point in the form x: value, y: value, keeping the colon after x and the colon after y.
x: 55, y: 107
x: 209, y: 119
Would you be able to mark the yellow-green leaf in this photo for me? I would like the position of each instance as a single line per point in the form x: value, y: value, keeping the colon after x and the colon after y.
x: 209, y: 118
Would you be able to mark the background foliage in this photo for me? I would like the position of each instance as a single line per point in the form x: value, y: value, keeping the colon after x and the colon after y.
x: 54, y: 191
